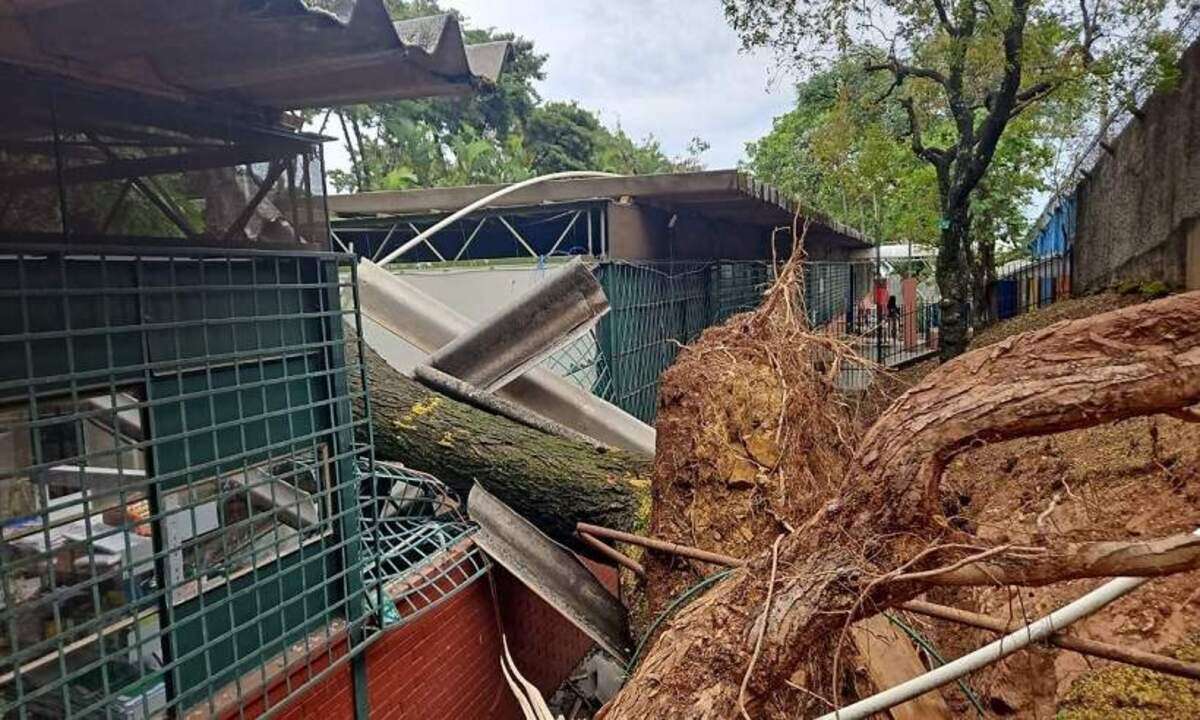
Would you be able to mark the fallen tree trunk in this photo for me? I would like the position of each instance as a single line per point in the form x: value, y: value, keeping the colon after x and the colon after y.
x: 884, y: 522
x: 551, y: 481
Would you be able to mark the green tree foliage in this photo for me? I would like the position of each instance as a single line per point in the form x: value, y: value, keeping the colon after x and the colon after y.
x: 562, y: 136
x: 978, y: 82
x: 838, y: 151
x: 842, y: 150
x: 501, y: 134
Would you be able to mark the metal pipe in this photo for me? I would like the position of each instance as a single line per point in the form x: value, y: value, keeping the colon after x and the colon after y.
x: 484, y: 202
x: 1129, y: 656
x: 992, y: 652
x: 612, y: 553
x: 490, y: 402
x: 660, y: 545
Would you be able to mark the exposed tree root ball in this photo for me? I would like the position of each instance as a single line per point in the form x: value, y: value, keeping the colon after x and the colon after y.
x: 751, y: 438
x: 882, y: 537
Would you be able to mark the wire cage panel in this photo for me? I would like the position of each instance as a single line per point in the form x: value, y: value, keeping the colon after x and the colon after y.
x: 179, y: 498
x: 185, y: 519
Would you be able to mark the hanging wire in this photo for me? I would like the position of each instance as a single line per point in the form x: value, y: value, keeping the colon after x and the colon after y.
x: 919, y: 638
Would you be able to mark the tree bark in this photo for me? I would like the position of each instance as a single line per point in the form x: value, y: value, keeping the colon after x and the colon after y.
x: 983, y: 274
x: 885, y: 521
x: 954, y: 281
x: 551, y: 481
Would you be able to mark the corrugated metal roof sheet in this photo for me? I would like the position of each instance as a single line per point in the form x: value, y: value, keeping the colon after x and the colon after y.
x: 278, y: 54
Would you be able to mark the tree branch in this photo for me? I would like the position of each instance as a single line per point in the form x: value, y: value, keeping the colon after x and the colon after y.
x: 1038, y: 91
x: 936, y: 156
x: 903, y: 71
x: 1141, y: 360
x: 1091, y: 31
x: 944, y: 17
x: 1003, y: 100
x: 1143, y: 558
x: 1031, y: 95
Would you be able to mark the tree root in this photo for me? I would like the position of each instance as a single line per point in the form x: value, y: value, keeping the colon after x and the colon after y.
x: 884, y: 521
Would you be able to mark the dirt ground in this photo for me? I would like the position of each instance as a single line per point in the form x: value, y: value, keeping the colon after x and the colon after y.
x: 1134, y: 478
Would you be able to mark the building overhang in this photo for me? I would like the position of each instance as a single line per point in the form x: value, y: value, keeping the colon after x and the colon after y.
x: 721, y: 195
x: 268, y: 55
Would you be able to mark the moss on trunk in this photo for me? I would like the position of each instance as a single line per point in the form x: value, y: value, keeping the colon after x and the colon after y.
x: 551, y: 481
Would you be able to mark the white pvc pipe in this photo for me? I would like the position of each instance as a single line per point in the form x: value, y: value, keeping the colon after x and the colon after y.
x: 484, y: 202
x: 992, y: 652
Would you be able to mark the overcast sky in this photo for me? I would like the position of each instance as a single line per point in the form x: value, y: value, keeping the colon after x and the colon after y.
x: 667, y: 67
x: 671, y: 68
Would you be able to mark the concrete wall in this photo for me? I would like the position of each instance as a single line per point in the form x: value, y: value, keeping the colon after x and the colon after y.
x: 1139, y: 212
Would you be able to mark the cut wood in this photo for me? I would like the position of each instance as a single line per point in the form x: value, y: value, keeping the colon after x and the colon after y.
x: 890, y: 659
x: 884, y: 521
x: 553, y: 482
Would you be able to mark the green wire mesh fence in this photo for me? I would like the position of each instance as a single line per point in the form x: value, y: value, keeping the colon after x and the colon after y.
x: 658, y: 307
x: 185, y: 519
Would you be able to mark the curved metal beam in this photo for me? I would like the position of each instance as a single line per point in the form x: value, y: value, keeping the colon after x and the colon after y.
x: 484, y: 202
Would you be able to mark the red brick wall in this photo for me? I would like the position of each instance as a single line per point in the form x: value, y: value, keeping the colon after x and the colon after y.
x: 446, y: 663
x: 333, y: 699
x: 544, y: 645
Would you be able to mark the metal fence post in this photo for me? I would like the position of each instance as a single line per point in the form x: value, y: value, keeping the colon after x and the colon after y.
x: 359, y: 681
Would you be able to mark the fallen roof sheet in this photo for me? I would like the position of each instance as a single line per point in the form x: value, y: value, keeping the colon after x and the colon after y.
x: 276, y: 54
x: 551, y: 571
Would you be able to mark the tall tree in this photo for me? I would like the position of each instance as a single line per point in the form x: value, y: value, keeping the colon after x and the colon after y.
x: 974, y: 65
x: 499, y: 134
x: 841, y: 149
x: 562, y: 136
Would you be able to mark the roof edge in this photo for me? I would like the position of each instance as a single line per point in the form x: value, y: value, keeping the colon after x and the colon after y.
x: 440, y: 201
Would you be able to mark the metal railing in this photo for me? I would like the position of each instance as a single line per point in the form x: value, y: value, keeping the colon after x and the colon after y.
x: 1027, y: 286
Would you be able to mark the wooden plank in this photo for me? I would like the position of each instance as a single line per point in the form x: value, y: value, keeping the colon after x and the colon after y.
x: 891, y: 659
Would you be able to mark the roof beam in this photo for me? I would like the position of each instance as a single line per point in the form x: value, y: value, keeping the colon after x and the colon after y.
x: 142, y: 167
x: 450, y: 199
